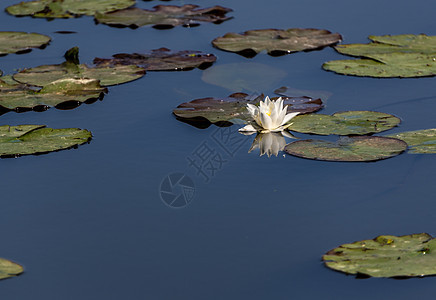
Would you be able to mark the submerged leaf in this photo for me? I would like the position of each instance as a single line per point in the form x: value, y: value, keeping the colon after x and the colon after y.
x: 66, y: 8
x: 161, y: 60
x: 9, y: 269
x: 351, y: 149
x: 344, y: 123
x: 13, y: 42
x: 275, y: 41
x: 419, y: 141
x: 389, y: 56
x: 108, y: 75
x: 16, y: 96
x: 386, y: 256
x: 164, y: 16
x: 235, y: 107
x: 37, y: 139
x: 248, y: 76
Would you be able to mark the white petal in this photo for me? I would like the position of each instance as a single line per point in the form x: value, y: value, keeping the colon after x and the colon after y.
x: 248, y: 128
x: 289, y: 116
x: 266, y: 121
x: 253, y: 109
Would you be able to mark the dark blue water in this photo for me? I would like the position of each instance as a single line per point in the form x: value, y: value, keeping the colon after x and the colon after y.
x: 89, y: 223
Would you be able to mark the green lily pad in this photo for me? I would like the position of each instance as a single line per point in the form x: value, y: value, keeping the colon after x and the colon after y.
x: 419, y: 141
x: 110, y: 75
x: 351, y: 149
x: 66, y: 8
x: 275, y: 41
x: 164, y: 16
x: 247, y: 76
x: 388, y: 56
x: 344, y: 123
x: 386, y: 256
x: 161, y: 60
x: 293, y: 92
x: 234, y: 107
x: 19, y: 42
x: 37, y: 139
x: 9, y: 269
x: 61, y: 93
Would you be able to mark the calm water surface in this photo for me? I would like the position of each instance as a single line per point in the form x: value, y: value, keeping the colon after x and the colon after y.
x: 88, y: 223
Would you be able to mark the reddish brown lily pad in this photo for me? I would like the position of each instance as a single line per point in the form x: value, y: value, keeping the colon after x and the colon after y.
x: 215, y: 110
x: 161, y: 60
x: 276, y: 41
x: 164, y: 16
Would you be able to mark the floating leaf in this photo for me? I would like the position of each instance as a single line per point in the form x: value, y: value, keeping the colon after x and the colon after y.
x: 352, y: 149
x: 161, y: 60
x: 9, y: 269
x: 164, y: 16
x: 235, y: 107
x: 275, y: 41
x: 66, y: 8
x: 61, y: 93
x: 237, y: 77
x: 389, y: 56
x: 386, y: 256
x: 344, y: 123
x: 37, y: 139
x: 419, y: 141
x: 46, y: 74
x: 292, y: 92
x: 16, y: 42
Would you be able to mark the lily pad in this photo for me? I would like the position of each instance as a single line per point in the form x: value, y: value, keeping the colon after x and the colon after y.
x: 161, y: 60
x: 234, y: 107
x: 389, y: 56
x: 9, y: 269
x: 248, y: 76
x: 61, y: 93
x: 419, y: 141
x: 386, y: 256
x: 276, y: 41
x: 71, y: 69
x: 37, y: 139
x: 19, y: 42
x: 66, y: 8
x: 351, y: 149
x: 344, y: 123
x: 293, y: 92
x: 164, y: 16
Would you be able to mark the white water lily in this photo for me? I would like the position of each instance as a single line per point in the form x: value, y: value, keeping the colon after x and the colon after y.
x: 269, y: 116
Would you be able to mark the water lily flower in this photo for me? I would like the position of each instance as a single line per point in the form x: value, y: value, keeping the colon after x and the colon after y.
x: 269, y: 116
x: 270, y: 143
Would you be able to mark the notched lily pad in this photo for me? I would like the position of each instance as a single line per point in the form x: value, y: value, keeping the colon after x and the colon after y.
x: 9, y: 269
x: 386, y: 256
x: 63, y: 93
x: 161, y: 60
x: 66, y: 8
x: 344, y: 123
x: 20, y: 42
x: 71, y: 69
x: 37, y: 139
x: 164, y: 16
x: 276, y: 41
x: 389, y: 56
x: 350, y: 149
x: 419, y: 141
x: 215, y: 110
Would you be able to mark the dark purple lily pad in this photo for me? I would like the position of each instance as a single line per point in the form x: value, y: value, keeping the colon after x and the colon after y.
x: 225, y: 110
x: 164, y: 16
x: 351, y: 149
x: 161, y: 60
x: 276, y: 41
x: 287, y: 91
